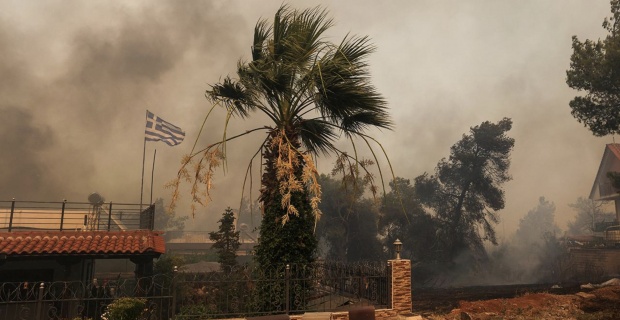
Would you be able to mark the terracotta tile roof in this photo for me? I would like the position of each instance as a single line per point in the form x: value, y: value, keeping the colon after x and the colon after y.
x: 81, y: 242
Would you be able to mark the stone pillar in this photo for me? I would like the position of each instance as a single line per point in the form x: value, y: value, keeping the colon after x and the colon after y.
x: 401, y: 285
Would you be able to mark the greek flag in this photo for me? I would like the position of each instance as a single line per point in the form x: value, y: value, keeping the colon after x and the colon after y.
x: 157, y: 129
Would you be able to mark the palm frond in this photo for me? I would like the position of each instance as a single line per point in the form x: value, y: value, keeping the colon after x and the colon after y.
x: 343, y: 87
x: 311, y: 89
x: 305, y: 39
x: 355, y: 50
x: 261, y: 33
x: 280, y: 31
x: 234, y: 96
x: 317, y: 136
x: 360, y: 121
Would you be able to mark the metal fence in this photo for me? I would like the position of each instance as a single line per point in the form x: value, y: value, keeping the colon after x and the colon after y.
x: 246, y: 291
x: 67, y: 216
x: 241, y: 291
x: 78, y: 300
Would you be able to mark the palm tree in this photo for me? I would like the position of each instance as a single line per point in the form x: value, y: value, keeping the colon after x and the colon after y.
x: 313, y: 91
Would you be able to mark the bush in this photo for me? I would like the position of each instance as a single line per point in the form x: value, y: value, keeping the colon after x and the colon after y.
x: 195, y: 311
x: 125, y: 309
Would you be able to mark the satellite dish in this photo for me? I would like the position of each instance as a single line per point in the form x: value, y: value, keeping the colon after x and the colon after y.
x: 243, y: 227
x: 96, y: 199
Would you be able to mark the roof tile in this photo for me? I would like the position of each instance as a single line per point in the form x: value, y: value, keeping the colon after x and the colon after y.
x: 81, y: 242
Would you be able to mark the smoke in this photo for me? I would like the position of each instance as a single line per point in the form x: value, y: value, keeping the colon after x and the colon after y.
x: 77, y: 78
x: 24, y: 165
x: 75, y: 93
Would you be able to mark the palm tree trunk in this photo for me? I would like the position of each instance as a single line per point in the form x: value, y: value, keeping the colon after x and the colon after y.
x: 293, y: 242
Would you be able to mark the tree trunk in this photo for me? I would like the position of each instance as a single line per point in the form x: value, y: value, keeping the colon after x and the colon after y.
x: 293, y: 242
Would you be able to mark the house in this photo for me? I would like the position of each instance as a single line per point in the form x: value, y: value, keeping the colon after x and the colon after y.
x: 49, y: 256
x: 598, y: 256
x: 63, y: 241
x: 602, y: 189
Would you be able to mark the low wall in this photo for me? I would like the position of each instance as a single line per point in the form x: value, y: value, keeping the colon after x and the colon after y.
x: 594, y: 262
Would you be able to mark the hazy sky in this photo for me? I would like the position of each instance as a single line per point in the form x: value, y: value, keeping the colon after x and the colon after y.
x: 77, y: 77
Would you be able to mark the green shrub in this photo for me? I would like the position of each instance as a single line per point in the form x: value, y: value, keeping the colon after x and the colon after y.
x: 195, y: 311
x: 125, y: 309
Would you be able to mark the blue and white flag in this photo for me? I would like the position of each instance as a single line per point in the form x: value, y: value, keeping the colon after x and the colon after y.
x: 157, y: 129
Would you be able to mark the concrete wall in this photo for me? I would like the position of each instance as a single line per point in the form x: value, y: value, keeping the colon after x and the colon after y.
x: 593, y: 263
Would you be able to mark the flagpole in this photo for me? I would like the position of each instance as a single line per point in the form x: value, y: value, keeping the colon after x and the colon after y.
x: 143, y: 158
x: 157, y: 129
x: 152, y: 175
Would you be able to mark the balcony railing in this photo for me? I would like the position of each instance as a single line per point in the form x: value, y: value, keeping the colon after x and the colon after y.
x: 73, y: 216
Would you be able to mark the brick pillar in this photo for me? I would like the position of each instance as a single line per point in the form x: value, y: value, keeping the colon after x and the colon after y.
x: 401, y: 285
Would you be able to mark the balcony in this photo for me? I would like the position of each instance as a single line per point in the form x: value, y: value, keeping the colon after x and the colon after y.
x: 18, y: 216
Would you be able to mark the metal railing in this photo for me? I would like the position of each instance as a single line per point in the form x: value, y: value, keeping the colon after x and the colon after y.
x: 188, y: 236
x: 236, y: 292
x: 73, y: 299
x: 244, y: 291
x: 67, y: 216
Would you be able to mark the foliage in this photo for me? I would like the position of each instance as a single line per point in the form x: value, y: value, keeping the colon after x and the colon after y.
x: 167, y: 220
x: 125, y: 308
x: 212, y: 294
x: 312, y: 91
x: 195, y: 311
x: 166, y: 263
x: 589, y: 214
x: 535, y: 254
x: 283, y: 242
x: 402, y: 217
x: 363, y: 243
x: 249, y: 218
x: 226, y: 240
x: 594, y: 69
x: 415, y: 228
x: 292, y: 241
x: 537, y: 223
x: 465, y: 192
x: 349, y: 222
x: 555, y: 263
x: 536, y: 250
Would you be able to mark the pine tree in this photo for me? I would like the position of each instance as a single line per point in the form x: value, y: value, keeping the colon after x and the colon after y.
x: 594, y: 71
x: 226, y: 241
x: 466, y: 193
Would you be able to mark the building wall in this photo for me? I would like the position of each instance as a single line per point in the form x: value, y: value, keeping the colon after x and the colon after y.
x: 593, y: 263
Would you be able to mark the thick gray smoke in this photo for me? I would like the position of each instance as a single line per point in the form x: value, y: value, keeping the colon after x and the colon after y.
x: 24, y: 168
x: 75, y: 91
x: 77, y: 77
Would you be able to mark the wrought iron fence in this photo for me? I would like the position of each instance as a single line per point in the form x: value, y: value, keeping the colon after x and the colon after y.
x: 244, y: 291
x: 38, y: 215
x: 236, y: 292
x: 74, y: 299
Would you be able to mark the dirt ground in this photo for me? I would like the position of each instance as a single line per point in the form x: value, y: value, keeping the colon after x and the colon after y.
x: 585, y: 304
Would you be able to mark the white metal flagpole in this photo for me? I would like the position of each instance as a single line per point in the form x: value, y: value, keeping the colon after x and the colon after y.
x: 152, y: 175
x: 143, y: 158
